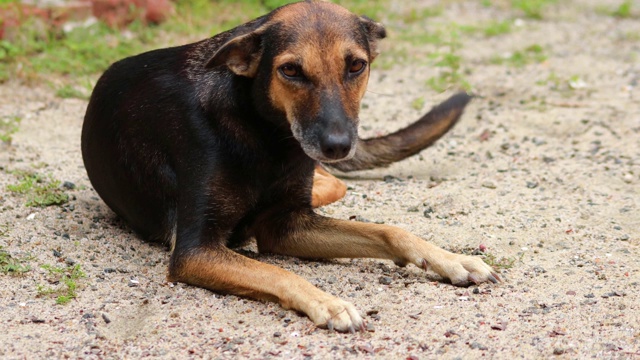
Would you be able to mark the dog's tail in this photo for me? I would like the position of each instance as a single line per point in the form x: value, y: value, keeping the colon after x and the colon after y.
x: 385, y: 150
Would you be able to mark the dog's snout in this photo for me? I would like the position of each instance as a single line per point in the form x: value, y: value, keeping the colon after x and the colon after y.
x: 336, y: 146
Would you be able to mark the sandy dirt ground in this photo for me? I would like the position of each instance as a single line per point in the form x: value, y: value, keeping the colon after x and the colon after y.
x: 543, y: 170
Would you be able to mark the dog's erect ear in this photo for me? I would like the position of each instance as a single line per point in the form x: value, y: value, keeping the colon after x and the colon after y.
x: 375, y: 32
x: 241, y: 54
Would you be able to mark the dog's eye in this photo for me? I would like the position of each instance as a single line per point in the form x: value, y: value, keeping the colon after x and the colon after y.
x: 357, y: 66
x: 290, y: 71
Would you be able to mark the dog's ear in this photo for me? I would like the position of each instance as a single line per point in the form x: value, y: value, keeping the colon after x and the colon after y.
x: 240, y: 54
x: 375, y: 32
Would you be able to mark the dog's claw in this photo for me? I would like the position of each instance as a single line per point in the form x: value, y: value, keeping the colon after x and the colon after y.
x: 352, y: 329
x: 425, y: 265
x: 474, y: 279
x: 363, y: 326
x: 494, y: 278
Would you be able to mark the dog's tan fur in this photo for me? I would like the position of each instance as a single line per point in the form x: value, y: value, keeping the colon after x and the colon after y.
x: 225, y: 271
x: 208, y: 202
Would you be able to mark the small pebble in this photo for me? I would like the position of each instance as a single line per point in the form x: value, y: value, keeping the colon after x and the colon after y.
x: 69, y: 185
x: 476, y: 345
x: 385, y: 280
x: 370, y: 327
x: 532, y: 184
x: 277, y: 334
x: 489, y: 185
x: 389, y: 178
x: 106, y: 318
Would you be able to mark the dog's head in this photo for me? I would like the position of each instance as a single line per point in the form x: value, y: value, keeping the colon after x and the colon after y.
x: 311, y: 62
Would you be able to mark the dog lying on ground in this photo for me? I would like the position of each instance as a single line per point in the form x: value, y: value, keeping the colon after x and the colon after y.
x: 217, y: 142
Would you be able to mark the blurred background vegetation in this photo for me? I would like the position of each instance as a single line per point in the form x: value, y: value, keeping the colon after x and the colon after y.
x: 37, y: 49
x: 70, y: 56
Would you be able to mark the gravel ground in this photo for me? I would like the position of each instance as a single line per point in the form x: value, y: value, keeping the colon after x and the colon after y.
x: 542, y: 173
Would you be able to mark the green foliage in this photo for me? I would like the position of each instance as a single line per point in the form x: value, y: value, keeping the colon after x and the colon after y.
x: 69, y: 91
x: 40, y: 191
x: 371, y: 8
x: 66, y: 278
x: 8, y: 126
x: 418, y: 103
x: 450, y: 64
x: 42, y: 50
x: 531, y: 54
x: 8, y: 263
x: 496, y: 28
x: 624, y: 10
x: 415, y: 15
x: 531, y: 8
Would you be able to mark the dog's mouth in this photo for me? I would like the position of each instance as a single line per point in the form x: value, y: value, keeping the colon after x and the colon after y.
x: 327, y: 147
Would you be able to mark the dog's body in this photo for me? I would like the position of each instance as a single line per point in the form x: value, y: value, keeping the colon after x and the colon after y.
x: 215, y: 143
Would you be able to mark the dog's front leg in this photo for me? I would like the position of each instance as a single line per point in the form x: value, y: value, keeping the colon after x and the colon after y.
x: 314, y: 236
x: 327, y: 188
x: 223, y: 270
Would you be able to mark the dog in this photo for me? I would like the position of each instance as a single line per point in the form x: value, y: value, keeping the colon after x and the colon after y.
x: 211, y: 144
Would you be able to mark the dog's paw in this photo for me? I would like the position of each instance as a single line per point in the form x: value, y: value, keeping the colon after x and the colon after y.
x: 463, y: 270
x: 335, y: 314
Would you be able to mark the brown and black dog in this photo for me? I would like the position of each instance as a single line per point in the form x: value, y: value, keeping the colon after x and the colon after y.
x: 215, y: 143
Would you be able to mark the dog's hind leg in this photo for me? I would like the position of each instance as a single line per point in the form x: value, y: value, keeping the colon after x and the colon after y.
x: 313, y: 236
x: 222, y: 270
x: 326, y: 188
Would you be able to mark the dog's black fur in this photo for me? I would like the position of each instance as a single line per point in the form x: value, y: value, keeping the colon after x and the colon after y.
x: 180, y: 145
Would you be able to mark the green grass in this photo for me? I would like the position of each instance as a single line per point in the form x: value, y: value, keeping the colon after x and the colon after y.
x: 8, y: 263
x: 39, y: 50
x: 414, y: 15
x: 531, y: 54
x: 90, y: 50
x: 496, y: 28
x: 624, y: 10
x: 66, y: 278
x: 69, y: 91
x: 450, y: 64
x: 9, y: 125
x: 40, y: 191
x: 533, y: 9
x: 418, y: 103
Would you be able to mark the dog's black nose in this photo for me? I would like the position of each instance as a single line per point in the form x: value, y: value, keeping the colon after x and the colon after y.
x: 336, y: 146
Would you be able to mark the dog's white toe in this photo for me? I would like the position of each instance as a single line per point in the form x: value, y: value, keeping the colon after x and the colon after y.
x: 464, y: 270
x: 337, y: 314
